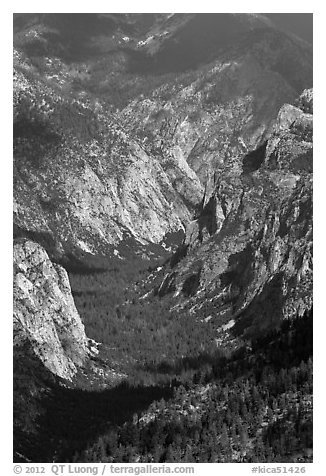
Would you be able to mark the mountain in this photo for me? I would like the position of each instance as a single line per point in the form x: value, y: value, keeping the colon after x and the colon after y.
x: 162, y: 233
x: 191, y: 125
x: 81, y: 183
x: 247, y: 259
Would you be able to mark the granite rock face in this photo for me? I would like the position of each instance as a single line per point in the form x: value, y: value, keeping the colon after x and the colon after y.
x: 206, y: 120
x: 305, y: 101
x: 207, y: 117
x: 137, y: 140
x: 81, y: 190
x: 132, y: 131
x: 251, y: 246
x: 45, y: 316
x: 91, y: 170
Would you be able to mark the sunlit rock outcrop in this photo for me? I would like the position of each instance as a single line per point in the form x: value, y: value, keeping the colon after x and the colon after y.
x: 45, y: 316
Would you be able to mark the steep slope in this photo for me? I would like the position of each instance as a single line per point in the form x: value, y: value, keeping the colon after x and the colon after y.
x: 52, y: 355
x: 248, y: 257
x: 80, y: 183
x: 208, y: 119
x: 181, y: 42
x: 225, y: 105
x: 45, y: 316
x: 254, y: 406
x: 123, y: 144
x: 87, y: 175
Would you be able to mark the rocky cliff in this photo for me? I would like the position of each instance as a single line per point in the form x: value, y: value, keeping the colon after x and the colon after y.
x: 134, y: 132
x: 91, y: 169
x: 81, y: 183
x: 216, y: 144
x: 210, y: 117
x: 248, y: 257
x: 45, y: 316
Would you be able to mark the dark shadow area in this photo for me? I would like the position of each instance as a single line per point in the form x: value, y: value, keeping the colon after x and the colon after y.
x: 180, y: 253
x: 67, y: 420
x: 77, y: 417
x: 207, y: 218
x: 264, y: 311
x: 189, y: 363
x: 86, y: 264
x: 283, y: 347
x: 191, y: 284
x: 239, y: 273
x: 174, y: 239
x: 297, y: 445
x: 69, y: 35
x: 28, y: 129
x: 54, y: 423
x: 80, y: 36
x: 253, y: 160
x: 45, y: 239
x: 195, y: 41
x: 33, y: 139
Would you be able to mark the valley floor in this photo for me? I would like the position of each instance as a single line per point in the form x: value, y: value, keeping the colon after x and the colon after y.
x: 166, y: 394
